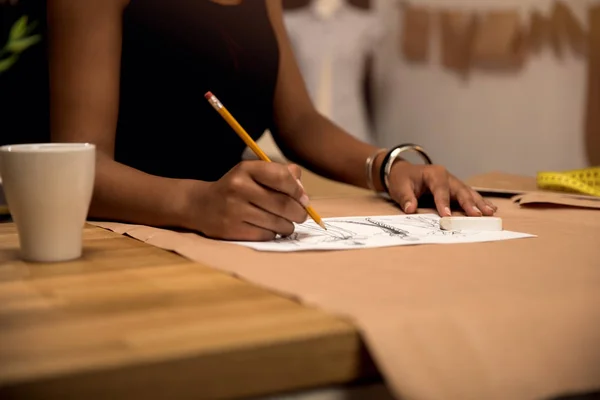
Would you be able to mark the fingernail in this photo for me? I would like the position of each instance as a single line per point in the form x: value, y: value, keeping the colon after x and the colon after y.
x: 477, y: 210
x: 300, y: 183
x: 447, y: 211
x: 490, y: 208
x: 304, y: 200
x: 407, y: 205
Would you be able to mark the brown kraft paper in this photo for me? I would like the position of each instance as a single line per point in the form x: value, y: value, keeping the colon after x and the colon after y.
x: 517, y: 319
x: 502, y: 183
x: 557, y: 199
x: 499, y: 41
x: 592, y: 137
x: 525, y: 192
x: 457, y: 33
x: 416, y: 33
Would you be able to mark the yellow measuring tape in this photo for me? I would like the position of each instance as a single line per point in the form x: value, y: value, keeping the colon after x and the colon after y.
x: 583, y: 181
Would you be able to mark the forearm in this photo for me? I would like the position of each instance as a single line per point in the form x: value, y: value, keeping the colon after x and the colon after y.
x: 326, y: 149
x: 122, y: 193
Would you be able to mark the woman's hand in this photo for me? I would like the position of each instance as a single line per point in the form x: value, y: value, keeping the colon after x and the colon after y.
x: 408, y: 182
x: 254, y: 201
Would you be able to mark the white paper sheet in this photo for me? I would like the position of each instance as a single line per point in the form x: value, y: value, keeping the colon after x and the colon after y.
x: 345, y: 233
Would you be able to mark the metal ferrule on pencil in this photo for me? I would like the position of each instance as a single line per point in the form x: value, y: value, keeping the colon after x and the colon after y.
x: 215, y: 102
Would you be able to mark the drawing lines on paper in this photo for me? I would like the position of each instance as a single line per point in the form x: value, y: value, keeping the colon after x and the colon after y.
x: 376, y: 231
x: 312, y: 233
x: 432, y: 225
x: 339, y: 232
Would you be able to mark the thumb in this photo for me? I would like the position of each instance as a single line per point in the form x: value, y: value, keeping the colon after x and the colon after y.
x: 404, y: 195
x: 295, y: 170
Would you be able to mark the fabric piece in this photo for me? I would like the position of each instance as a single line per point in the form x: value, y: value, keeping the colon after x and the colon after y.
x: 348, y: 37
x: 457, y: 34
x: 416, y: 33
x: 517, y: 319
x: 499, y: 41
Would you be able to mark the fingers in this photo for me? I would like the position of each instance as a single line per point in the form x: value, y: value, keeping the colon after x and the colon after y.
x: 277, y: 177
x: 471, y: 202
x: 251, y: 233
x: 404, y: 195
x: 267, y: 221
x: 277, y: 204
x: 491, y: 205
x: 436, y: 179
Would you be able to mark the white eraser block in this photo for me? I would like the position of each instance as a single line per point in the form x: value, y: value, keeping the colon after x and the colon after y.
x: 471, y: 223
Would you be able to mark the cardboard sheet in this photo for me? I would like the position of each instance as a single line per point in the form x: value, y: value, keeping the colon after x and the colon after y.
x: 518, y: 319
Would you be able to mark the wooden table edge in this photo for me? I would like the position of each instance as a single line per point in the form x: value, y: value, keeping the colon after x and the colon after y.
x: 307, y: 366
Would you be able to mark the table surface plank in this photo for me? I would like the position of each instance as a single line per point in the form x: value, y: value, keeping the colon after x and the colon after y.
x: 129, y: 319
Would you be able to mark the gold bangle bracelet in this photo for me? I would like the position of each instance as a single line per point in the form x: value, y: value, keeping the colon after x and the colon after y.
x: 369, y: 168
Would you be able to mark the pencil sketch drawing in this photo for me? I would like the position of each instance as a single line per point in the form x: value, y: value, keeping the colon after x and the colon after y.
x: 375, y: 231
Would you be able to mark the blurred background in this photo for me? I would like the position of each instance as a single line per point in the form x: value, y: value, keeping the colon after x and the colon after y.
x: 483, y: 85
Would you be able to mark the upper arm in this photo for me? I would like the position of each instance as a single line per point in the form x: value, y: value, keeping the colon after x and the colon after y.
x: 292, y: 103
x: 84, y: 55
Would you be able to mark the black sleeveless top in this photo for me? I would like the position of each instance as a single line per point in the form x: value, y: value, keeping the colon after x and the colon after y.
x: 173, y: 52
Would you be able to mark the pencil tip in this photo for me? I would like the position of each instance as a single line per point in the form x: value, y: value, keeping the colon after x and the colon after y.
x: 208, y: 95
x: 322, y: 225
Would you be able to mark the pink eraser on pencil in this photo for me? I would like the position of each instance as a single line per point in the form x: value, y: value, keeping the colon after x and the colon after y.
x: 208, y: 95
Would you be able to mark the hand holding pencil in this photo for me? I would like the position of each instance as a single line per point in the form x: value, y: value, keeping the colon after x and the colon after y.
x: 256, y: 200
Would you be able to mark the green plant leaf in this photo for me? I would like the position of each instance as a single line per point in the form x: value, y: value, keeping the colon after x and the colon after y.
x: 18, y: 46
x: 8, y: 62
x: 19, y: 29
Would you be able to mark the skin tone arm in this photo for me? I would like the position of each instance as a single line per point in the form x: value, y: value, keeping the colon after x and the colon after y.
x: 303, y: 133
x: 253, y: 201
x: 85, y: 48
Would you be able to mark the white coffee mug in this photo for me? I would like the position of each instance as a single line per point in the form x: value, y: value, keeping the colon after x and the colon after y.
x: 48, y: 189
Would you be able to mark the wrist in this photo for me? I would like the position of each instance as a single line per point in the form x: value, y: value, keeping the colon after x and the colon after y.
x: 397, y: 163
x: 187, y: 210
x: 377, y: 165
x: 392, y: 159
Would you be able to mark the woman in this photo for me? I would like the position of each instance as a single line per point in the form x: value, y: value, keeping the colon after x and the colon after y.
x: 129, y: 76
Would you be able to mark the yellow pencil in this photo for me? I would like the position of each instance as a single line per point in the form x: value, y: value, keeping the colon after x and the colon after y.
x: 217, y: 105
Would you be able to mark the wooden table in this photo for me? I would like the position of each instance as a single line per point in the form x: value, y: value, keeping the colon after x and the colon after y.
x: 92, y: 328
